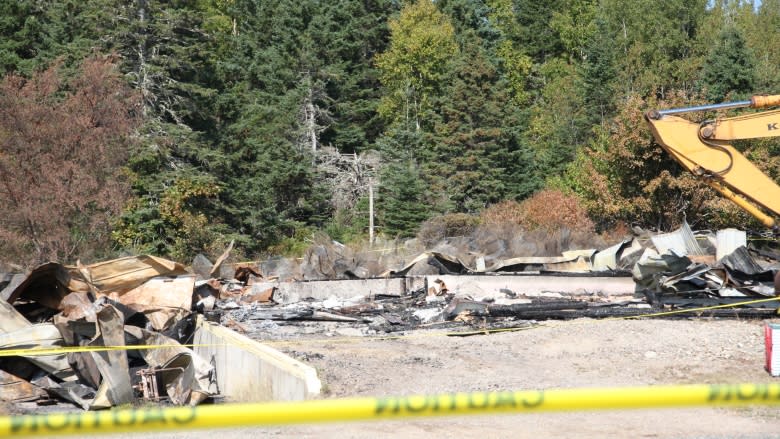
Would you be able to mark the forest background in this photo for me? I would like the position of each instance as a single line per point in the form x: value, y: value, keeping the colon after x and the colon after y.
x: 174, y: 127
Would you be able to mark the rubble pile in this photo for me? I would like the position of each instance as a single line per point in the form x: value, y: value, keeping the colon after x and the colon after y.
x: 676, y: 270
x: 335, y: 291
x: 715, y: 269
x: 79, y: 311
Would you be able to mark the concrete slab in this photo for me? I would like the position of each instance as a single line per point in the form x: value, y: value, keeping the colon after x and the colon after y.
x: 472, y: 285
x: 535, y: 285
x: 248, y: 371
x: 291, y: 292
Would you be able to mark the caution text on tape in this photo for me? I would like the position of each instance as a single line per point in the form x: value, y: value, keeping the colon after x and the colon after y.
x: 354, y: 409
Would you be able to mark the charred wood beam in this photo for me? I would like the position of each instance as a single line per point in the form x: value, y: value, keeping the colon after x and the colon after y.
x: 511, y: 310
x: 573, y: 310
x: 475, y: 308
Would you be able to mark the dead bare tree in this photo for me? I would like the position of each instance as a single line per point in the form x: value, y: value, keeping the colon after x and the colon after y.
x: 348, y: 175
x: 313, y: 119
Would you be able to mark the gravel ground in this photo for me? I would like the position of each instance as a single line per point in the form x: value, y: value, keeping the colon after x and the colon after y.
x: 570, y: 354
x: 579, y: 353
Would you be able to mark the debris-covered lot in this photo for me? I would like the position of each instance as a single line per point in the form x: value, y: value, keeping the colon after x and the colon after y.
x: 558, y: 354
x: 715, y: 274
x: 673, y: 308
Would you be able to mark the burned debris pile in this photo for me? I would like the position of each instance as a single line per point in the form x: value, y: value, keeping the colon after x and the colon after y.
x: 642, y: 275
x: 94, y: 320
x: 335, y: 291
x: 683, y: 270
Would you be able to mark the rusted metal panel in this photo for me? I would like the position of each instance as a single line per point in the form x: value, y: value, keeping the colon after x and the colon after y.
x: 164, y: 300
x: 17, y: 332
x: 190, y: 378
x: 49, y: 283
x: 115, y: 388
x: 124, y: 274
x: 15, y: 389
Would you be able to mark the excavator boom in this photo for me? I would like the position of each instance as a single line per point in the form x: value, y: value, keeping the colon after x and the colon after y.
x: 703, y: 149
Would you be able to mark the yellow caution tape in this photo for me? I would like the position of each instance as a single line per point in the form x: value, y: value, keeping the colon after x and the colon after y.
x: 703, y: 308
x: 57, y: 350
x: 356, y: 409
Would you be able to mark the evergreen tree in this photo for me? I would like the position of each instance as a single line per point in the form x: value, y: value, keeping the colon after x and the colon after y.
x: 656, y: 47
x: 35, y: 33
x: 597, y: 75
x: 471, y: 20
x: 402, y: 200
x: 270, y: 78
x: 341, y: 41
x: 472, y: 142
x: 729, y: 67
x: 535, y: 34
x: 20, y: 35
x: 514, y: 64
x: 166, y: 53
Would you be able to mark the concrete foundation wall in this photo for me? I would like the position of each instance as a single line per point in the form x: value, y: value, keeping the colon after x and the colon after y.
x: 474, y: 285
x: 536, y: 284
x: 248, y: 371
x: 291, y: 292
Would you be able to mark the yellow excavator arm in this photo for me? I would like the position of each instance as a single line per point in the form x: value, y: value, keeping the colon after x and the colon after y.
x: 703, y: 149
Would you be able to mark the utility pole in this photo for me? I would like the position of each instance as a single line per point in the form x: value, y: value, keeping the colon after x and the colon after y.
x: 370, y: 212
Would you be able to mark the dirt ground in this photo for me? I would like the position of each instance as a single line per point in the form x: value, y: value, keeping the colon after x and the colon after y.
x: 570, y: 354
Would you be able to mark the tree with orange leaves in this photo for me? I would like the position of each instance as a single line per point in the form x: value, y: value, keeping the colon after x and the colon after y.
x: 62, y: 149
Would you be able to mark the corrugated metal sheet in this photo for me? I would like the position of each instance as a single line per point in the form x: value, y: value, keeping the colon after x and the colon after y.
x: 573, y: 254
x: 578, y: 265
x: 729, y: 240
x: 552, y: 263
x: 682, y: 241
x: 607, y: 259
x: 740, y: 260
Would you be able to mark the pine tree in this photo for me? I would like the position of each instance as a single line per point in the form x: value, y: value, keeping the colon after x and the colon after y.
x: 472, y: 141
x: 402, y: 200
x: 729, y: 67
x: 597, y: 75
